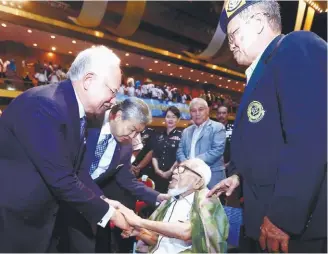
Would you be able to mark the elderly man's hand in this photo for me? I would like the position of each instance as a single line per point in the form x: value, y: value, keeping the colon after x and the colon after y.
x: 226, y: 186
x: 133, y: 219
x: 161, y: 197
x: 119, y: 221
x: 273, y: 238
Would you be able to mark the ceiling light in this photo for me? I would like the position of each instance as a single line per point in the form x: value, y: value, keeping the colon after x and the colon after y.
x: 93, y: 46
x: 171, y: 74
x: 212, y: 76
x: 50, y: 54
x: 180, y: 68
x: 191, y: 70
x: 244, y: 84
x: 236, y: 82
x: 202, y: 73
x: 69, y: 52
x: 161, y: 72
x: 189, y: 78
x: 168, y: 64
x: 53, y: 37
x: 229, y: 80
x: 127, y: 54
x: 141, y: 58
x: 155, y: 61
x: 53, y: 48
x: 150, y: 69
x: 4, y: 2
x: 127, y: 64
x: 29, y: 31
x: 239, y: 90
x: 205, y: 82
x: 163, y: 122
x: 97, y: 34
x: 220, y: 85
x: 4, y: 25
x: 35, y: 45
x: 74, y: 42
x: 180, y: 76
x: 220, y: 78
x: 197, y: 80
x: 226, y: 86
x: 185, y: 124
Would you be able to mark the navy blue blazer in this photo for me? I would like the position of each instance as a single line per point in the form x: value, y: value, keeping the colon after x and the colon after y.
x: 279, y: 141
x: 39, y: 156
x: 118, y: 173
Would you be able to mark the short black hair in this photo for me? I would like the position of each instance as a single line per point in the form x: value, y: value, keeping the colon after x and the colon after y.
x: 174, y: 110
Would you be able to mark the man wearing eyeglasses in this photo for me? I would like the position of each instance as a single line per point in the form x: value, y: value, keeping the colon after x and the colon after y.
x: 42, y: 134
x: 188, y: 221
x: 276, y: 155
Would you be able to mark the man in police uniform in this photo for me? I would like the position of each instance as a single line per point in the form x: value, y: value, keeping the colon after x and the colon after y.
x: 275, y: 154
x: 222, y: 117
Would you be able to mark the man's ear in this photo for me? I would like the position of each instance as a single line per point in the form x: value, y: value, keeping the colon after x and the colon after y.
x: 259, y: 22
x: 87, y: 80
x: 117, y: 116
x: 200, y: 183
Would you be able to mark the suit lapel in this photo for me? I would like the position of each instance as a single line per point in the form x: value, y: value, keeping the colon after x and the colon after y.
x: 72, y: 108
x: 201, y: 134
x: 113, y: 166
x: 189, y: 138
x: 256, y: 76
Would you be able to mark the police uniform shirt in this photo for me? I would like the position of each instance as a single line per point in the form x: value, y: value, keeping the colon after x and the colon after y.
x: 229, y: 129
x: 146, y: 138
x: 165, y: 147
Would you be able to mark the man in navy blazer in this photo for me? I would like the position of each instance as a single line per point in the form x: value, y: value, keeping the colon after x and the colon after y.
x: 108, y: 161
x: 278, y: 155
x: 205, y: 139
x: 42, y: 142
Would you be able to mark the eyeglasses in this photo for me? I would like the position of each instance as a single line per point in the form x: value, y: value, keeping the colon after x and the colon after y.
x: 232, y: 36
x: 181, y: 168
x: 114, y: 92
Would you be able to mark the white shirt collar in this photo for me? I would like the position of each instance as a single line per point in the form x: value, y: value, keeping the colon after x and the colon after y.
x: 105, y: 129
x: 202, y: 125
x: 249, y: 71
x: 79, y: 103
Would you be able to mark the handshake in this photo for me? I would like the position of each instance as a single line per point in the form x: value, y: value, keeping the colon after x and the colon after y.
x: 126, y: 219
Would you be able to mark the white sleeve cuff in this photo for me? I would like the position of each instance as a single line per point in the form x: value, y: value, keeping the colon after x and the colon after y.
x: 104, y: 221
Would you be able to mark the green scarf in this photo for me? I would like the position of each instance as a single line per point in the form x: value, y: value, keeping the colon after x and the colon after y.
x: 209, y: 224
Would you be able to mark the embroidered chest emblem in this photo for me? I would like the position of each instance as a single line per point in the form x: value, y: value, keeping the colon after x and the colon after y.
x: 255, y: 112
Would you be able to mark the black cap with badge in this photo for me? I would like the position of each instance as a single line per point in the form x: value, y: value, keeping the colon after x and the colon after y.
x: 231, y: 9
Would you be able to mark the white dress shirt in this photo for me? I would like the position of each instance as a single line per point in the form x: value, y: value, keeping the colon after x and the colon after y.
x: 179, y: 211
x: 104, y: 221
x: 194, y: 139
x: 249, y: 71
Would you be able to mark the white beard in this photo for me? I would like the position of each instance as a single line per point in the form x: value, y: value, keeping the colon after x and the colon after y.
x: 176, y: 191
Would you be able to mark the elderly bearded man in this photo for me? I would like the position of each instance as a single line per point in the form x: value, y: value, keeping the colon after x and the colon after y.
x: 188, y: 222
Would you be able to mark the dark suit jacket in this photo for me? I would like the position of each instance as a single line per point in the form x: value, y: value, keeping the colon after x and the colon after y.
x: 279, y: 139
x: 117, y: 183
x: 39, y: 156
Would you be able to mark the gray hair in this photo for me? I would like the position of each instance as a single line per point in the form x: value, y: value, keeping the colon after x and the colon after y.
x: 133, y: 108
x: 98, y: 60
x: 270, y: 9
x: 130, y: 82
x: 198, y: 100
